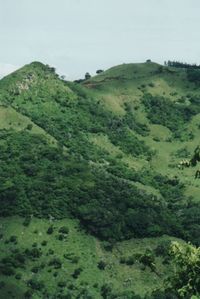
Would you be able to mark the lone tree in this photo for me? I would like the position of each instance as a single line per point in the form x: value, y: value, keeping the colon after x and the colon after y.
x: 87, y: 76
x: 99, y: 71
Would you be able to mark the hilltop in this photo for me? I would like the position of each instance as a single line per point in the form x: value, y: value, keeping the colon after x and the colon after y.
x: 103, y: 155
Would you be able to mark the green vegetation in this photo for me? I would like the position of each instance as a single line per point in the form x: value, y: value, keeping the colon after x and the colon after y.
x: 78, y: 265
x: 185, y: 279
x: 105, y: 201
x: 173, y: 115
x: 105, y: 151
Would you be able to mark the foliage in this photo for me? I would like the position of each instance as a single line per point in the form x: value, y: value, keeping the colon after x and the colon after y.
x: 179, y: 64
x: 185, y: 279
x: 193, y: 75
x: 64, y: 230
x: 90, y: 194
x: 164, y: 112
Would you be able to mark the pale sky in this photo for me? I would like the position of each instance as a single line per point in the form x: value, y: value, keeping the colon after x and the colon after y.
x: 77, y: 36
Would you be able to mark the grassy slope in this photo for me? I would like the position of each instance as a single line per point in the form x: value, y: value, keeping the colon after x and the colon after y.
x: 89, y: 251
x: 126, y: 84
x: 13, y: 120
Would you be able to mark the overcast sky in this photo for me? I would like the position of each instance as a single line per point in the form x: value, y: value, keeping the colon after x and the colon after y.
x: 77, y: 36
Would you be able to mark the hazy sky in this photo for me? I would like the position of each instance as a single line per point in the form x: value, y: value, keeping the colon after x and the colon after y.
x: 77, y: 36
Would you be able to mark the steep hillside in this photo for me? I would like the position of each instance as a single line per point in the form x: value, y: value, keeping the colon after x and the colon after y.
x: 106, y: 152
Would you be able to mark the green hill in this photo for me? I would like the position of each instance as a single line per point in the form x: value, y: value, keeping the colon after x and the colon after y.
x: 105, y: 153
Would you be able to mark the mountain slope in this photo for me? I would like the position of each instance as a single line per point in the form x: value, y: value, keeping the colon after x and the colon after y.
x: 76, y: 117
x: 105, y: 152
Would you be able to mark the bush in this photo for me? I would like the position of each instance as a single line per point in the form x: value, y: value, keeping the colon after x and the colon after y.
x: 35, y: 284
x: 75, y: 259
x: 108, y: 245
x: 163, y: 249
x: 62, y: 284
x: 148, y: 260
x: 33, y: 253
x: 44, y: 243
x: 35, y: 269
x: 64, y: 230
x: 56, y: 263
x: 7, y: 270
x: 28, y: 294
x: 106, y: 290
x: 130, y: 260
x: 29, y: 127
x: 101, y: 265
x: 27, y: 221
x: 51, y: 251
x: 18, y: 276
x: 61, y: 237
x: 77, y: 272
x: 50, y: 230
x: 13, y: 239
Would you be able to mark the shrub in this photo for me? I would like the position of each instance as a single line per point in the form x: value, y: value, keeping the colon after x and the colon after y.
x: 50, y: 230
x: 33, y: 253
x: 13, y: 239
x: 130, y: 260
x: 56, y: 263
x: 51, y: 251
x: 44, y: 243
x: 77, y: 272
x: 35, y: 269
x: 163, y: 249
x: 62, y: 284
x: 64, y: 230
x: 35, y: 284
x: 18, y: 276
x: 29, y: 127
x: 106, y: 290
x: 27, y: 221
x: 61, y: 237
x: 148, y: 259
x: 108, y: 245
x: 28, y: 294
x: 101, y: 265
x: 7, y: 270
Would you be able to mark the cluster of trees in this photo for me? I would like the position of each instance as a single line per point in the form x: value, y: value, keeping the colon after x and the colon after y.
x: 46, y: 181
x: 173, y: 115
x: 192, y: 70
x: 193, y: 75
x: 179, y: 64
